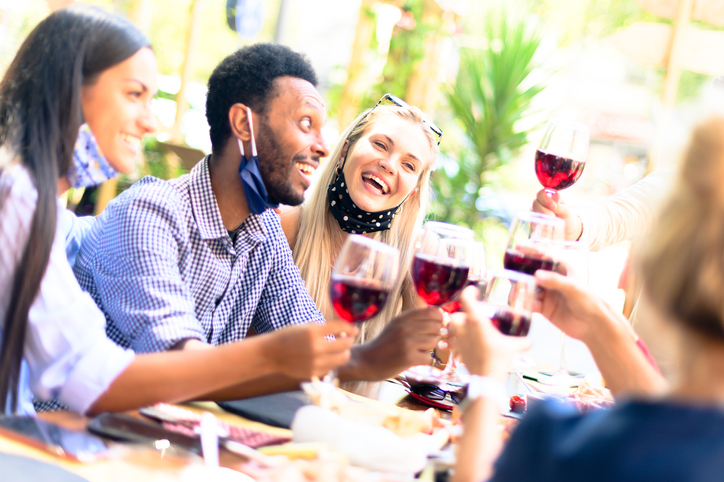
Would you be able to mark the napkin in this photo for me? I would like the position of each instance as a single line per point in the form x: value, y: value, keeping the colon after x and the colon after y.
x: 368, y: 446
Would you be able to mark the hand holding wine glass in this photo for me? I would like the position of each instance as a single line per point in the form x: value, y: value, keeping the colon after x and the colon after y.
x: 362, y: 279
x: 531, y: 241
x: 561, y: 157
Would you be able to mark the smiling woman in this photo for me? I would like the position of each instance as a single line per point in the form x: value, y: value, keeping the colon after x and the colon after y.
x: 126, y: 89
x: 376, y: 183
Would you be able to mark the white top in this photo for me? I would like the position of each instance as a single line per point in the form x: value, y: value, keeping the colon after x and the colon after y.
x: 67, y: 355
x: 624, y: 215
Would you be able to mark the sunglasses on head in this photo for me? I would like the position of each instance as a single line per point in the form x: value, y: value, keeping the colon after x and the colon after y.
x: 389, y: 99
x: 433, y: 392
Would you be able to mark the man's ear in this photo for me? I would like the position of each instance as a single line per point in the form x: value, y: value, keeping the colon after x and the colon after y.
x: 343, y: 154
x: 239, y: 122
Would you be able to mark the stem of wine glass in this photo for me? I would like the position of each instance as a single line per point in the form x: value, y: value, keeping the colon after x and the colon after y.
x: 550, y: 191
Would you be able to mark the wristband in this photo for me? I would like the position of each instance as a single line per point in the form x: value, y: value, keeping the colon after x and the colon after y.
x: 484, y: 387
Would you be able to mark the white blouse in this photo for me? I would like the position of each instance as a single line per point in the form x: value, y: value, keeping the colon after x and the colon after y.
x: 67, y: 355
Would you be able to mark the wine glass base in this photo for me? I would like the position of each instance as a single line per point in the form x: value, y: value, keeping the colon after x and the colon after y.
x: 560, y: 379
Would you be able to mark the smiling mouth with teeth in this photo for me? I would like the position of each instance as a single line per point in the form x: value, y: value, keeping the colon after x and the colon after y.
x: 376, y: 182
x: 305, y: 168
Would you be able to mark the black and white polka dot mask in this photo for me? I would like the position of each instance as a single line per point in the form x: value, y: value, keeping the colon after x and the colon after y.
x: 351, y: 218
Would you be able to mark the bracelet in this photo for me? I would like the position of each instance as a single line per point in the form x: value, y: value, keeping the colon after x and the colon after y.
x: 436, y: 362
x: 484, y: 387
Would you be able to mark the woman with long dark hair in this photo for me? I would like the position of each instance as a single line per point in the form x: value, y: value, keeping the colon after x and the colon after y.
x: 74, y: 105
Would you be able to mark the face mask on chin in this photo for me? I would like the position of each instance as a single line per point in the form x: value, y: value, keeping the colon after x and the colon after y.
x: 90, y: 167
x: 257, y: 196
x: 351, y: 218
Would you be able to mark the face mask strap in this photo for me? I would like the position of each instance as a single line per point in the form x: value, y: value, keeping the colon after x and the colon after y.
x: 251, y: 129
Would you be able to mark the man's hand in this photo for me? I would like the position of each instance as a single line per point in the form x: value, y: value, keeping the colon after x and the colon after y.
x: 303, y: 351
x: 571, y: 307
x: 484, y: 350
x: 406, y: 341
x: 550, y: 203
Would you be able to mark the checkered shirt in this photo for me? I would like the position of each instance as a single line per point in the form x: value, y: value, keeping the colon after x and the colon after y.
x: 162, y: 267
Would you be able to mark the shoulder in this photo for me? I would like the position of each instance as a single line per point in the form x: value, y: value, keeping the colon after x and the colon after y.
x: 290, y: 217
x: 148, y: 199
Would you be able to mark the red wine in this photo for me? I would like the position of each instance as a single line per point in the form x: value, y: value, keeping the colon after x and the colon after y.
x: 455, y: 305
x: 437, y: 283
x: 525, y: 263
x: 510, y: 322
x: 556, y: 172
x: 357, y: 300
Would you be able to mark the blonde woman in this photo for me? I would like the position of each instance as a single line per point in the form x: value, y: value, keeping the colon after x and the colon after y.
x: 375, y: 183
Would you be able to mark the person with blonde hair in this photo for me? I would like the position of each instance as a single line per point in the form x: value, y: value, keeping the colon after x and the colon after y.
x: 661, y: 432
x: 375, y: 183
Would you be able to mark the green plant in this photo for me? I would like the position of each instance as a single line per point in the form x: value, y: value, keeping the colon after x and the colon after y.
x: 492, y: 93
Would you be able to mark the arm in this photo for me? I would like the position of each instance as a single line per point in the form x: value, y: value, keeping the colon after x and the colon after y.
x: 612, y: 219
x: 485, y: 352
x: 611, y: 340
x: 243, y: 369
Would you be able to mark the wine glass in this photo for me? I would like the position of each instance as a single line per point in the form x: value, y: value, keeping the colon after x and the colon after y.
x: 362, y: 279
x: 476, y: 273
x: 531, y: 240
x: 440, y: 267
x: 574, y: 261
x: 508, y: 301
x: 476, y: 277
x: 561, y: 157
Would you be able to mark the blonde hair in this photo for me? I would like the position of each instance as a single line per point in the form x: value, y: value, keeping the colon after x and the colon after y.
x: 320, y: 238
x: 683, y: 266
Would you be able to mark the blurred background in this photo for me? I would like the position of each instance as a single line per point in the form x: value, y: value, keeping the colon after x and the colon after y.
x: 489, y: 73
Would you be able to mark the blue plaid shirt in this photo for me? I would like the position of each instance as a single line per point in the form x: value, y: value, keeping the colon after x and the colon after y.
x: 162, y: 267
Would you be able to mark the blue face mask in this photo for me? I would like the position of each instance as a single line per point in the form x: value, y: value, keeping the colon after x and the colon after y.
x: 257, y: 196
x: 90, y: 167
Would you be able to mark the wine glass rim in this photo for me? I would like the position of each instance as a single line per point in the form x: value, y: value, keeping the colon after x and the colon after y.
x: 539, y: 218
x: 371, y: 243
x: 516, y: 276
x: 453, y: 228
x: 567, y: 122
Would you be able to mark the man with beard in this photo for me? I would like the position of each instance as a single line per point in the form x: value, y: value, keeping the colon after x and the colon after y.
x: 201, y: 260
x: 194, y: 261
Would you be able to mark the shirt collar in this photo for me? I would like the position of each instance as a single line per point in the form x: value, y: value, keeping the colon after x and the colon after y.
x: 206, y: 210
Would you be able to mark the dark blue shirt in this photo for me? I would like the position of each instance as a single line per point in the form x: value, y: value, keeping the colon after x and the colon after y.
x: 634, y: 441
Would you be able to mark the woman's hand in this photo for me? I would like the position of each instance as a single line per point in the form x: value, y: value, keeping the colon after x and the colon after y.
x: 550, y: 203
x: 571, y: 307
x: 483, y: 349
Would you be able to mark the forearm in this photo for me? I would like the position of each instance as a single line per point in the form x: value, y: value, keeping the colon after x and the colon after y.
x: 184, y: 375
x: 480, y: 443
x: 263, y: 385
x: 621, y: 362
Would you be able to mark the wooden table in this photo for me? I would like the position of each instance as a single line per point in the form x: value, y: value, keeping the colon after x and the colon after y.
x: 135, y: 463
x: 146, y: 464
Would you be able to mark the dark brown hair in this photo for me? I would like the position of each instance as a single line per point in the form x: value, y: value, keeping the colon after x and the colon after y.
x: 40, y: 114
